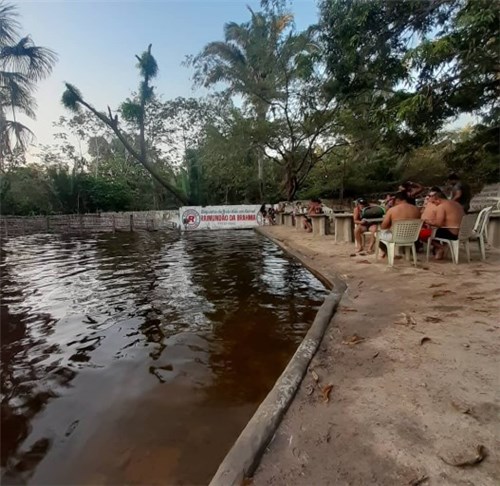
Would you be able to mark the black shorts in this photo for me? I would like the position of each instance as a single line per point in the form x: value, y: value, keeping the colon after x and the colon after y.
x: 446, y: 234
x: 368, y: 224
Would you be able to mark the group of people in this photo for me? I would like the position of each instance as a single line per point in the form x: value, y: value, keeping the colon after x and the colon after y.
x: 268, y: 214
x: 437, y: 211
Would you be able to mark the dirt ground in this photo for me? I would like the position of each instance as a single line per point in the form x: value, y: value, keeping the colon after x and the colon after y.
x: 413, y: 359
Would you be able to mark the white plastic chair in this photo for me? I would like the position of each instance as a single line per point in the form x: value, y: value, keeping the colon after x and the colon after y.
x: 464, y: 234
x: 480, y: 231
x: 404, y: 234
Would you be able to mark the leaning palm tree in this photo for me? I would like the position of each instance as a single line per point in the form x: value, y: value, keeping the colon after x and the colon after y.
x: 22, y: 65
x: 133, y: 111
x: 252, y: 62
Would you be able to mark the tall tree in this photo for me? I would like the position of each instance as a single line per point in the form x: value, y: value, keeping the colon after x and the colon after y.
x: 246, y: 61
x: 411, y: 66
x: 133, y: 110
x: 22, y: 65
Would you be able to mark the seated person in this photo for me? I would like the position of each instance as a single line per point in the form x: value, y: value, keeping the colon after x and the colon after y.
x: 412, y: 190
x: 363, y: 223
x: 388, y: 202
x: 314, y: 207
x: 428, y: 213
x: 447, y: 219
x: 402, y: 209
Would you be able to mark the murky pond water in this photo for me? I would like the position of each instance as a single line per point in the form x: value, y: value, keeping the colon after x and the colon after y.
x: 138, y: 358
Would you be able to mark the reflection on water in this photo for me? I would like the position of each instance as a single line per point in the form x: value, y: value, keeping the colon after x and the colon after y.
x: 138, y: 358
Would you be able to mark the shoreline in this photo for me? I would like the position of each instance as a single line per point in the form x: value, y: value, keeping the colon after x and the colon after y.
x: 412, y: 358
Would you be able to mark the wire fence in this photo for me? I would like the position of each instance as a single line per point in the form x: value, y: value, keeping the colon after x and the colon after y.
x: 89, y: 223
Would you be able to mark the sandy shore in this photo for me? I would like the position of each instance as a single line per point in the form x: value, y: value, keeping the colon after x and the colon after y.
x: 412, y: 361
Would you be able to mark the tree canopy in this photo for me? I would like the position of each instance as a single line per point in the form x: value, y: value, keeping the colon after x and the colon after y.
x: 367, y: 97
x: 22, y: 65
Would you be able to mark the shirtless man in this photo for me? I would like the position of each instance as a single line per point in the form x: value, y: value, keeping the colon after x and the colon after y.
x: 402, y: 209
x: 447, y: 219
x: 428, y: 213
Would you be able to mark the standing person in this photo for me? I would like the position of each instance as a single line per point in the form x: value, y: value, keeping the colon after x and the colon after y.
x: 272, y: 215
x: 447, y: 219
x: 402, y: 209
x: 363, y: 224
x: 460, y: 191
x: 314, y: 207
x: 412, y: 190
x: 263, y: 212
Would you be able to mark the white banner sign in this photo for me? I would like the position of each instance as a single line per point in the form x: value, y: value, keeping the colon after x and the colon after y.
x: 220, y: 217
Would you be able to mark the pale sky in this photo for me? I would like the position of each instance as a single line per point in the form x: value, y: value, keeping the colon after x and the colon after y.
x: 96, y: 42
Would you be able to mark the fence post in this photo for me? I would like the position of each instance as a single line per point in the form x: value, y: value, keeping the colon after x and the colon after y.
x: 132, y: 222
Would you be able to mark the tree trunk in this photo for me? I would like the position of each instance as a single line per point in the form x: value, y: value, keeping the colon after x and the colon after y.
x: 291, y: 181
x: 112, y: 122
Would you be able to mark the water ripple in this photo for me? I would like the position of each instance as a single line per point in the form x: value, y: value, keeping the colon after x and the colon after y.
x: 113, y: 317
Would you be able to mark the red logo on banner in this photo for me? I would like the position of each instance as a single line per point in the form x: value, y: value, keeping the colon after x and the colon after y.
x: 191, y: 219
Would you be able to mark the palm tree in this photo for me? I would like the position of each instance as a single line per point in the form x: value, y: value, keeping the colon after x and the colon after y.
x: 22, y: 65
x: 250, y: 61
x: 133, y: 111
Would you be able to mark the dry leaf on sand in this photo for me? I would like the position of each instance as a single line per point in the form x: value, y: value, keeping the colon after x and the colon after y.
x: 434, y: 285
x: 353, y: 340
x: 315, y: 376
x: 326, y: 393
x: 425, y: 339
x: 406, y: 320
x: 440, y: 293
x: 418, y: 481
x: 463, y: 408
x: 433, y: 319
x: 467, y: 460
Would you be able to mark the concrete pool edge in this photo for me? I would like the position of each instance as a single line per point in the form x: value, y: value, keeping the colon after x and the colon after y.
x: 244, y: 456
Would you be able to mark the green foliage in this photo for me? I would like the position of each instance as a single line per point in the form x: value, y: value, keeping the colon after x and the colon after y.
x: 147, y: 64
x: 353, y: 105
x: 131, y: 111
x: 22, y: 65
x: 71, y: 98
x: 475, y: 153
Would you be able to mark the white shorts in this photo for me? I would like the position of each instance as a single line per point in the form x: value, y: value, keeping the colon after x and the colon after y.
x: 386, y: 235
